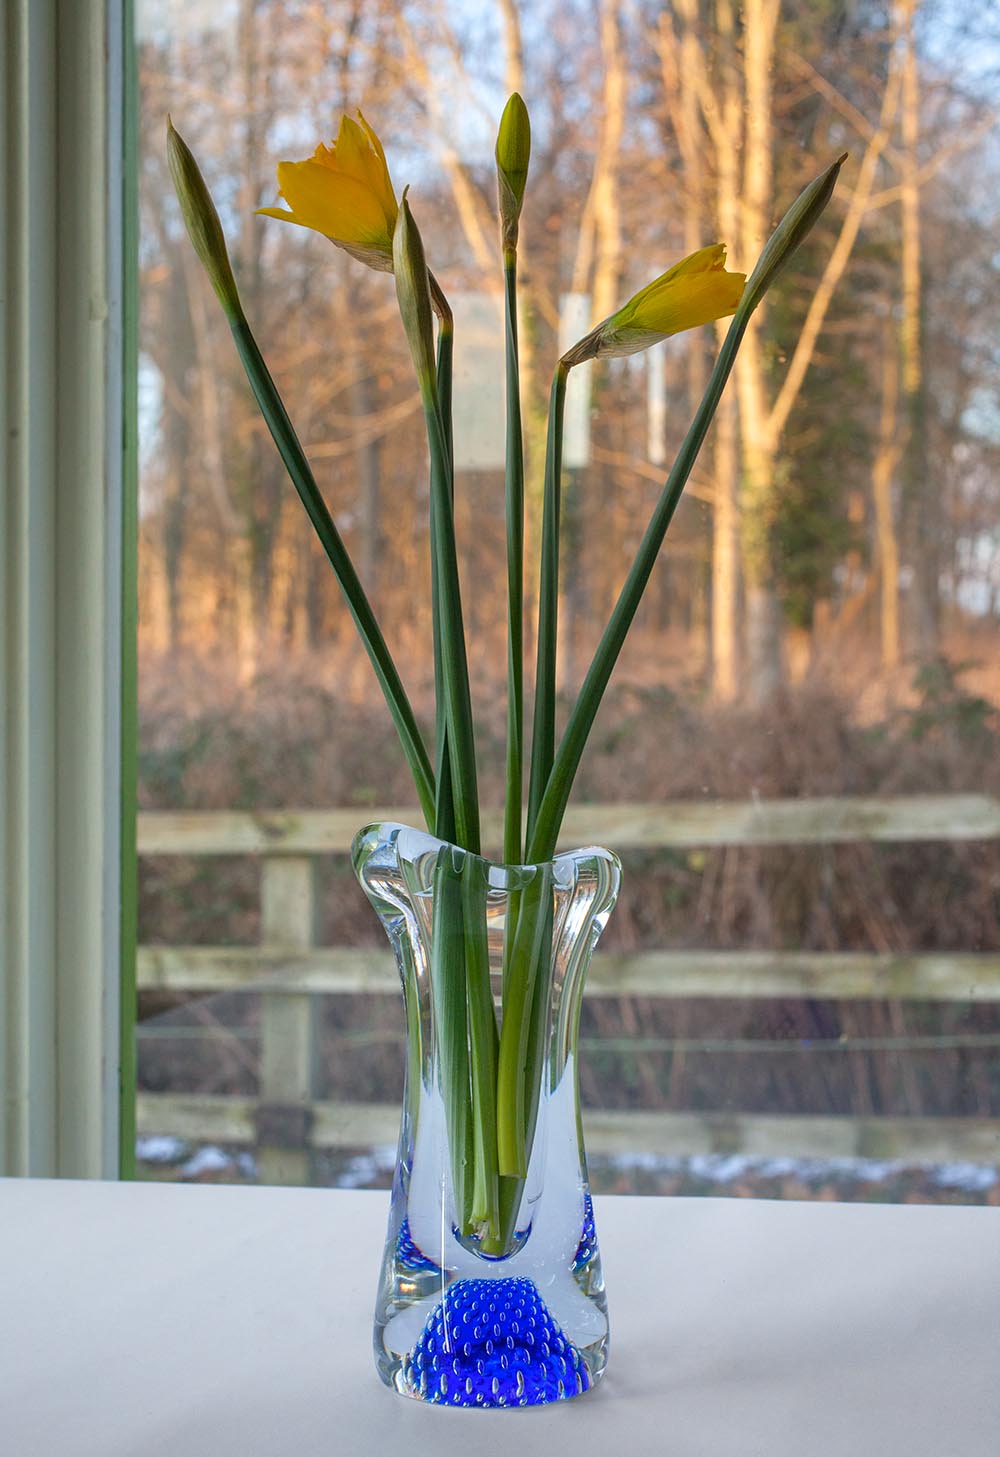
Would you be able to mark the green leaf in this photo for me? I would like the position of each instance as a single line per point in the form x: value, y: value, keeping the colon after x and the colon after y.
x: 787, y: 236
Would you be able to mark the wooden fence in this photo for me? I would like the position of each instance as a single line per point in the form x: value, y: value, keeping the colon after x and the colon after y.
x: 287, y: 1122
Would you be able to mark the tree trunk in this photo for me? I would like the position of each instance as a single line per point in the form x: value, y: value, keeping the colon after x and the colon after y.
x: 919, y: 496
x: 679, y: 58
x: 764, y: 658
x: 607, y: 210
x: 369, y: 471
x: 765, y: 670
x: 725, y: 556
x: 726, y: 654
x: 883, y: 470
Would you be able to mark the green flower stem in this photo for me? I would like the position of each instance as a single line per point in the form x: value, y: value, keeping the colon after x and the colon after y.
x: 538, y: 1023
x: 514, y: 508
x: 787, y: 236
x: 444, y: 808
x: 416, y: 292
x: 291, y: 452
x: 542, y: 840
x: 519, y: 1071
x: 543, y: 733
x: 451, y: 631
x: 485, y: 1211
x: 511, y: 1190
x: 451, y: 1026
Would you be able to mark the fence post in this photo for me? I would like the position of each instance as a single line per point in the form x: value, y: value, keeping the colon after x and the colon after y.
x: 289, y: 1026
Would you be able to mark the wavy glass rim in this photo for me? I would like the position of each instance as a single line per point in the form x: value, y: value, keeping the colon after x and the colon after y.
x: 412, y: 842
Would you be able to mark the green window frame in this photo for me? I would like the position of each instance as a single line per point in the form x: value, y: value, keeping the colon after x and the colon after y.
x: 67, y: 615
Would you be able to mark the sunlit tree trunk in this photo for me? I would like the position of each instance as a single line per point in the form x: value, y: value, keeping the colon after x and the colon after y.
x: 725, y: 555
x: 763, y: 614
x: 679, y: 58
x: 883, y: 472
x: 919, y: 495
x: 251, y: 570
x: 725, y: 540
x: 607, y: 207
x: 369, y: 469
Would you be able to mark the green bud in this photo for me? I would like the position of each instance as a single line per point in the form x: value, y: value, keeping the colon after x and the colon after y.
x: 414, y: 294
x: 789, y: 233
x: 513, y: 152
x: 202, y: 221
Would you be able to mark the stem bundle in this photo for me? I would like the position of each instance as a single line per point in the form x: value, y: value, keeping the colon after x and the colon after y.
x: 491, y: 1081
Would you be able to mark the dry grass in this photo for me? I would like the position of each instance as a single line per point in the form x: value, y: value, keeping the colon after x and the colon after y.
x: 289, y: 738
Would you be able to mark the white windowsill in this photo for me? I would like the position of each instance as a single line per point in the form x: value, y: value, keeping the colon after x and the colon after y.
x: 207, y: 1321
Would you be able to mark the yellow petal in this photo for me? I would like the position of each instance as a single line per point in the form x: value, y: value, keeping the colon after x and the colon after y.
x: 379, y: 177
x: 325, y: 156
x: 351, y: 154
x: 336, y: 205
x: 705, y: 260
x: 686, y: 301
x: 373, y: 139
x: 357, y: 153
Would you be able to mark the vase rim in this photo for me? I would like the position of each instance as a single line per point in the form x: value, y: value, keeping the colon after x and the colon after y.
x: 416, y: 841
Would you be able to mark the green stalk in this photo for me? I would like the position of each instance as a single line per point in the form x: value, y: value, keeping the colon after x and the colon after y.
x: 415, y: 291
x: 538, y: 1021
x: 451, y: 1025
x: 514, y: 510
x: 291, y: 452
x: 781, y: 245
x: 543, y: 733
x: 458, y: 947
x: 517, y: 1074
x: 444, y: 808
x: 451, y: 634
x: 485, y: 1210
x: 542, y: 839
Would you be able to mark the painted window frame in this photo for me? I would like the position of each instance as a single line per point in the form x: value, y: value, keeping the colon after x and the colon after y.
x: 67, y: 605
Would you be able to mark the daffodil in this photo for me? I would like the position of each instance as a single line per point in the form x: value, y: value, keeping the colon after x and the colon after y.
x: 695, y: 291
x: 513, y: 152
x: 202, y: 221
x: 344, y: 192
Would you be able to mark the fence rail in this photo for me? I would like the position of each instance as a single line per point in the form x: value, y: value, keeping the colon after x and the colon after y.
x: 681, y: 823
x: 366, y: 1125
x: 288, y: 1121
x: 337, y: 970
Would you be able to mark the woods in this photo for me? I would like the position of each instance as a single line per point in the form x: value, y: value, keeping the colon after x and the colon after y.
x: 824, y: 619
x: 846, y: 508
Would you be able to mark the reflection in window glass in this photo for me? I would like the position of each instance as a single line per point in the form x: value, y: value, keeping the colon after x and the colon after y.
x: 808, y: 1019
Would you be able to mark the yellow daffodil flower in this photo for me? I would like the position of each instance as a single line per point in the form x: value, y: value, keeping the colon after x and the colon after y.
x: 695, y: 291
x: 344, y: 192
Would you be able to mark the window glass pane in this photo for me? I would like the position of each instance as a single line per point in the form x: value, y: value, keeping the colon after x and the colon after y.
x: 814, y: 963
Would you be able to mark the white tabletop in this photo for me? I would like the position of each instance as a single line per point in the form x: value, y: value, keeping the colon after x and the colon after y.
x: 151, y: 1320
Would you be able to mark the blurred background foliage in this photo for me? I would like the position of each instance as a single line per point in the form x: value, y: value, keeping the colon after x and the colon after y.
x: 826, y: 615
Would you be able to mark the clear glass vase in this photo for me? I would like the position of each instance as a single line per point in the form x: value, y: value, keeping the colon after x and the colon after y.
x: 491, y: 1292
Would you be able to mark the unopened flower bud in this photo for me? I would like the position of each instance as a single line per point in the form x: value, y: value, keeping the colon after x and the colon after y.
x: 790, y: 232
x: 202, y: 221
x: 513, y: 152
x: 414, y: 294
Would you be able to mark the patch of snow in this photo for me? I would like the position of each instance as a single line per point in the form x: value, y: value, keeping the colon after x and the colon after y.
x: 207, y: 1160
x: 360, y: 1170
x: 160, y: 1148
x: 978, y: 1177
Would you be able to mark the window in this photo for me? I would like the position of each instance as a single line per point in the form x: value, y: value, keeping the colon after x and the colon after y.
x: 809, y: 941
